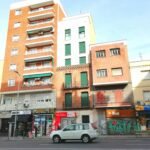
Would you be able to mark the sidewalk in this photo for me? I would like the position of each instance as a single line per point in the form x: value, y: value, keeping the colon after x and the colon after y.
x: 46, y: 137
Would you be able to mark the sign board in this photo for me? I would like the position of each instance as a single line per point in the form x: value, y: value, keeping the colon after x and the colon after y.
x: 23, y: 112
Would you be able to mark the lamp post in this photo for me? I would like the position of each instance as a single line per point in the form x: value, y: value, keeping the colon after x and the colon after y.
x: 16, y: 113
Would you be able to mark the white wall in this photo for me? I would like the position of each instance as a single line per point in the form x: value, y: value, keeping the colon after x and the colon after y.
x: 73, y: 23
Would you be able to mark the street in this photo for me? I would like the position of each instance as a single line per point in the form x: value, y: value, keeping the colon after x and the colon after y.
x: 103, y: 143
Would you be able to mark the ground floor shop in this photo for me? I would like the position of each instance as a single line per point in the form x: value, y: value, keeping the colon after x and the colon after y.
x: 63, y: 118
x: 117, y: 121
x: 143, y: 115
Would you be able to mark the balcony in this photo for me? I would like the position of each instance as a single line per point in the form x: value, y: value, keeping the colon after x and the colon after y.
x: 76, y: 106
x: 76, y: 85
x: 39, y: 16
x: 40, y: 23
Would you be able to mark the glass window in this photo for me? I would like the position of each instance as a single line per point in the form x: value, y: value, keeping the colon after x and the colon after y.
x: 15, y: 38
x: 17, y: 24
x: 68, y: 80
x: 116, y: 71
x: 82, y: 47
x: 115, y: 51
x: 45, y: 80
x: 84, y: 79
x: 67, y: 34
x: 100, y: 53
x: 101, y: 73
x: 68, y: 100
x: 67, y: 49
x: 69, y: 128
x: 14, y: 51
x: 85, y: 119
x: 11, y: 82
x: 13, y: 67
x: 146, y: 95
x: 67, y: 62
x: 81, y: 32
x: 84, y: 99
x: 17, y: 12
x: 82, y: 60
x: 7, y: 100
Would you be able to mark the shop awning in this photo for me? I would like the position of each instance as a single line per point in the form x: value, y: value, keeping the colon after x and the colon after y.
x: 37, y: 75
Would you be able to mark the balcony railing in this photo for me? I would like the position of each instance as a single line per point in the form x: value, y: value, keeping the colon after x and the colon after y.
x: 37, y: 67
x: 77, y: 106
x: 30, y: 52
x: 75, y: 86
x: 40, y: 9
x: 41, y: 36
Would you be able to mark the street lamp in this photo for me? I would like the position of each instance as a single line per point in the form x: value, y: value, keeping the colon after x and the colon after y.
x: 15, y: 123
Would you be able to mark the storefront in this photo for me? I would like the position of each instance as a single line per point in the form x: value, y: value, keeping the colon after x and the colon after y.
x: 143, y: 115
x: 42, y: 121
x: 62, y: 119
x: 120, y: 122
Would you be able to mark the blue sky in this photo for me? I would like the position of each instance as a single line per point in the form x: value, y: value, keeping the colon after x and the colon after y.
x: 113, y: 20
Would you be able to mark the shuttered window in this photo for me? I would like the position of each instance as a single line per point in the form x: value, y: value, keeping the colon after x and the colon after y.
x: 68, y: 80
x: 84, y: 79
x: 84, y: 99
x: 82, y: 60
x: 67, y: 49
x: 81, y: 47
x: 67, y: 62
x: 68, y: 100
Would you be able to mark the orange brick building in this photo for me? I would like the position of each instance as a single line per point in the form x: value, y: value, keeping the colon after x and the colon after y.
x: 30, y: 63
x: 111, y: 81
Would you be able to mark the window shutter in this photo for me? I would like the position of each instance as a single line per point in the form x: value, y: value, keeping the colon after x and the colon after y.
x: 68, y: 80
x: 84, y: 80
x: 82, y: 47
x: 68, y: 100
x: 84, y: 99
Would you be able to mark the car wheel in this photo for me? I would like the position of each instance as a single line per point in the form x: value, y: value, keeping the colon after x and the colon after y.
x: 56, y: 139
x: 85, y: 139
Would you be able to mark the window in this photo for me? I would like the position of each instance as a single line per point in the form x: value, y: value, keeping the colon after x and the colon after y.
x: 83, y: 60
x: 15, y: 38
x: 84, y: 99
x: 14, y: 52
x: 7, y: 100
x: 12, y: 67
x: 11, y: 82
x: 46, y: 63
x: 100, y: 53
x: 101, y: 73
x: 46, y: 80
x: 145, y: 74
x: 85, y: 119
x: 67, y: 49
x: 84, y: 79
x: 67, y: 62
x: 146, y: 95
x: 17, y: 12
x: 116, y: 71
x: 81, y: 47
x: 31, y: 82
x: 68, y: 80
x: 115, y: 51
x: 81, y: 32
x: 68, y: 100
x: 67, y: 34
x: 17, y: 24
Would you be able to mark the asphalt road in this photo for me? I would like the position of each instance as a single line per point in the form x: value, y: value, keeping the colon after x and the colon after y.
x: 108, y: 143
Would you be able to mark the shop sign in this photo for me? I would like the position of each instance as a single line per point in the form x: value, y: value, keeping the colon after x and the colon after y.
x: 71, y: 114
x: 147, y: 107
x: 24, y: 112
x: 139, y: 107
x: 65, y: 114
x: 113, y: 113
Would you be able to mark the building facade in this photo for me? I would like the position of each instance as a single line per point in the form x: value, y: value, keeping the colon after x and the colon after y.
x: 28, y: 89
x: 140, y: 73
x: 112, y: 88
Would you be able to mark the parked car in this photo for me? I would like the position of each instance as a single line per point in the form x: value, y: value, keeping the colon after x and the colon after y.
x: 83, y: 131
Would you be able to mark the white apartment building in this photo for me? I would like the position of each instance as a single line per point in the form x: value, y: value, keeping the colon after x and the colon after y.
x: 75, y: 34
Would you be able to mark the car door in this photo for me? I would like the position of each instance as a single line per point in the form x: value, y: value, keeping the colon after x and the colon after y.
x: 68, y: 132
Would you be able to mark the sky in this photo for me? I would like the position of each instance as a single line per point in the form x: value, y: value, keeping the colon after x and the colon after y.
x: 113, y: 20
